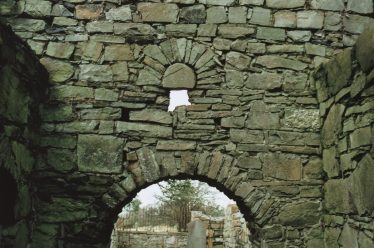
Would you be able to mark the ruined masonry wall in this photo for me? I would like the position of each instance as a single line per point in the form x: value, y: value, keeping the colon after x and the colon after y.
x: 22, y: 86
x: 345, y: 92
x: 252, y: 131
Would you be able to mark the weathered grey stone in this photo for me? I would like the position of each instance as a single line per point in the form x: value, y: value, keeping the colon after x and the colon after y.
x: 118, y: 52
x: 355, y: 23
x: 302, y: 118
x: 60, y: 50
x: 60, y: 113
x: 88, y: 11
x: 37, y: 47
x: 122, y: 13
x: 181, y: 30
x: 61, y: 160
x: 216, y: 15
x: 300, y: 36
x: 238, y: 61
x: 73, y: 92
x: 363, y: 6
x: 209, y: 30
x: 10, y: 7
x: 263, y: 120
x: 360, y: 137
x: 149, y: 77
x: 237, y: 15
x: 337, y: 197
x: 272, y: 61
x: 348, y: 237
x: 38, y: 8
x: 179, y: 76
x: 62, y: 209
x: 264, y: 81
x: 219, y: 2
x: 364, y: 51
x: 330, y: 163
x: 335, y: 5
x: 285, y: 19
x: 148, y: 164
x: 256, y: 48
x: 235, y: 30
x: 310, y: 19
x: 61, y: 10
x: 95, y: 73
x: 300, y: 213
x: 92, y: 51
x: 151, y: 115
x: 158, y: 12
x: 333, y: 21
x: 146, y: 130
x: 100, y: 153
x: 246, y: 136
x: 333, y: 125
x: 27, y: 25
x: 176, y: 145
x: 23, y: 157
x: 100, y: 27
x: 266, y: 33
x: 102, y: 94
x: 106, y: 113
x: 64, y: 21
x: 261, y: 16
x: 339, y: 71
x: 282, y: 166
x: 285, y: 49
x: 59, y: 71
x: 282, y: 4
x: 193, y: 14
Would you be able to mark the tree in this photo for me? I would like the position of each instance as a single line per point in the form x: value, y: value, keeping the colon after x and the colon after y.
x: 183, y: 196
x: 133, y: 206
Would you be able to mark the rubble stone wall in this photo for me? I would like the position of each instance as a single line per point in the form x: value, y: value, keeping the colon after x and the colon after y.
x: 150, y: 239
x: 345, y: 87
x: 252, y: 130
x: 22, y: 86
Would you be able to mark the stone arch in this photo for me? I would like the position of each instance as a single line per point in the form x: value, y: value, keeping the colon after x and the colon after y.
x: 257, y: 205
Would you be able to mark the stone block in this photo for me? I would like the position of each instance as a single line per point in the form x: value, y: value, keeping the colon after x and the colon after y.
x: 73, y: 92
x: 220, y: 2
x: 300, y: 213
x: 60, y: 50
x: 102, y: 94
x: 118, y: 52
x: 284, y: 4
x: 216, y: 15
x: 38, y: 8
x: 100, y: 153
x: 158, y: 12
x: 285, y: 19
x: 337, y: 196
x: 179, y: 76
x: 238, y: 15
x: 106, y: 113
x: 261, y: 16
x: 264, y: 81
x: 193, y: 14
x: 208, y: 30
x: 238, y: 61
x: 307, y: 119
x: 59, y: 71
x: 151, y: 115
x: 310, y: 19
x: 88, y: 11
x: 300, y: 36
x: 61, y: 160
x: 27, y: 25
x: 330, y: 163
x: 355, y: 24
x: 332, y: 125
x: 364, y: 49
x: 273, y: 61
x: 233, y: 31
x: 147, y: 130
x: 122, y: 13
x: 95, y: 73
x: 100, y: 27
x: 176, y: 145
x: 339, y: 71
x: 362, y: 6
x: 267, y: 33
x: 246, y: 136
x: 333, y: 5
x: 282, y: 166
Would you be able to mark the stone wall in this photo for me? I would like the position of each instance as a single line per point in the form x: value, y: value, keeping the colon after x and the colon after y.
x: 235, y: 230
x: 150, y: 239
x: 22, y: 86
x: 252, y: 130
x: 214, y: 228
x: 345, y: 92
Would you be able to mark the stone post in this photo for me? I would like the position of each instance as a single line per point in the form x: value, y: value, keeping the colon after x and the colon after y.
x: 196, y: 235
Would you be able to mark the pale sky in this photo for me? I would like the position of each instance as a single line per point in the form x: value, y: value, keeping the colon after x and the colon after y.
x: 178, y: 98
x: 148, y: 196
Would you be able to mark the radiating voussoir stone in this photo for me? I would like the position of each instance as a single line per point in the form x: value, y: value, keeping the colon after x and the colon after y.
x: 179, y: 76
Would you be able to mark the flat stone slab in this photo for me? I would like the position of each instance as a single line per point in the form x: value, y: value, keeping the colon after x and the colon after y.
x: 179, y: 76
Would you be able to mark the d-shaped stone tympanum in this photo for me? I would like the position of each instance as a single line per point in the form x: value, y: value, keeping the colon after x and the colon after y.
x: 179, y: 76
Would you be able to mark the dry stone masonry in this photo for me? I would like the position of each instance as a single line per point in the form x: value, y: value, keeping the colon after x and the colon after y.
x: 292, y: 147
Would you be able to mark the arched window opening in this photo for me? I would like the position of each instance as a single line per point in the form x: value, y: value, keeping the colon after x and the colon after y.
x: 165, y: 215
x: 178, y: 98
x: 8, y: 196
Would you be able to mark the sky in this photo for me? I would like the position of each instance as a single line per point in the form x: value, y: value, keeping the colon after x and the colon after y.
x: 178, y: 98
x: 148, y: 196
